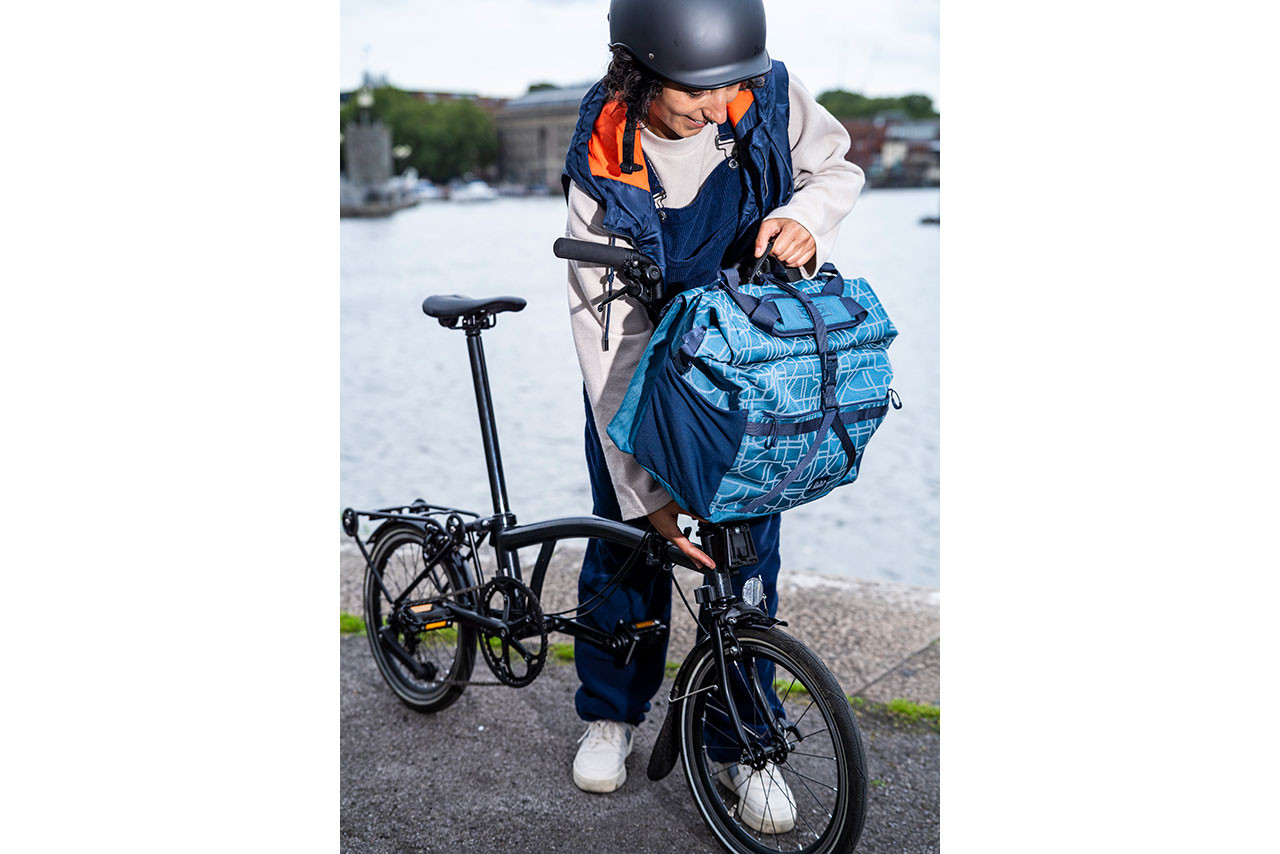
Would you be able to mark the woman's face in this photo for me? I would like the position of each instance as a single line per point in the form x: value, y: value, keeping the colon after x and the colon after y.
x: 678, y: 113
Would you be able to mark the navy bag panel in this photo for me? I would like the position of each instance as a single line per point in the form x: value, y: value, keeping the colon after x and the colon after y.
x: 678, y: 424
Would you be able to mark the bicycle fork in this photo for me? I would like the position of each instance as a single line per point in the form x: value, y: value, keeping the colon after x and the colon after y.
x: 720, y: 612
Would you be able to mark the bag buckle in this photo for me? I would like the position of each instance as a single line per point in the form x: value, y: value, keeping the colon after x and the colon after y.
x: 830, y: 368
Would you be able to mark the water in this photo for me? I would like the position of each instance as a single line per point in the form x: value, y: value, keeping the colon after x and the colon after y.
x: 409, y: 425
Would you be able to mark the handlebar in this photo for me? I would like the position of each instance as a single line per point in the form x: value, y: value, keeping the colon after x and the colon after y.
x: 597, y: 253
x: 642, y: 274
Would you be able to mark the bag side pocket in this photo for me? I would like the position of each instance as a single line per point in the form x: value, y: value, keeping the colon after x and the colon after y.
x: 686, y: 442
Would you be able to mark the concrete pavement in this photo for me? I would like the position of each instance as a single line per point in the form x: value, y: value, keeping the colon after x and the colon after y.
x: 492, y: 772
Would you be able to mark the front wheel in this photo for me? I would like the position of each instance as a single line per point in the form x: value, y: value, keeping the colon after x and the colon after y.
x: 422, y: 659
x: 813, y: 798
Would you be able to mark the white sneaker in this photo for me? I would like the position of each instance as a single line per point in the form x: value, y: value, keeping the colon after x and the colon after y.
x: 765, y: 803
x: 601, y: 763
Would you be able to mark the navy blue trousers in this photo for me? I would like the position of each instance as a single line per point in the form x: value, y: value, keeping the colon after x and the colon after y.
x: 614, y: 693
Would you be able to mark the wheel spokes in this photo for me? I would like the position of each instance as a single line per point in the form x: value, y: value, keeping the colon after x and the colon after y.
x: 411, y: 582
x: 814, y: 774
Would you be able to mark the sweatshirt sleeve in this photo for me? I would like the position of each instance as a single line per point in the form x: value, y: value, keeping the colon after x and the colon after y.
x: 826, y: 185
x: 607, y: 372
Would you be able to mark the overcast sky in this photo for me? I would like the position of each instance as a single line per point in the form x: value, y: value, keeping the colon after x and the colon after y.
x: 499, y: 47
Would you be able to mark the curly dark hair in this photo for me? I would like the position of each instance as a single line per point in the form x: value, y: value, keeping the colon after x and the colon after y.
x: 632, y: 84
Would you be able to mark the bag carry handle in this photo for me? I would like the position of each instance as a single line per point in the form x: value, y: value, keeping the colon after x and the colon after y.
x: 762, y: 312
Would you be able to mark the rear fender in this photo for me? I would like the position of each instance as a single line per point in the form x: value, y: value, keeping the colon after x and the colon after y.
x: 391, y: 525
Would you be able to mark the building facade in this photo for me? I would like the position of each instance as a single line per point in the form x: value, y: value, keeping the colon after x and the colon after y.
x: 534, y: 132
x: 895, y: 151
x: 866, y: 139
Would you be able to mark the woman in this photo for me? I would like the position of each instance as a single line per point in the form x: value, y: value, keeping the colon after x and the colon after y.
x: 697, y: 149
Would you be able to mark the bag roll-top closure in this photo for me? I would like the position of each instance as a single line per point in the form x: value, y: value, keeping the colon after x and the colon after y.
x: 792, y: 313
x: 764, y: 314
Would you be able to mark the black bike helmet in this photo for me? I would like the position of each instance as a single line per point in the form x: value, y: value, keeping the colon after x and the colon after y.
x: 699, y: 44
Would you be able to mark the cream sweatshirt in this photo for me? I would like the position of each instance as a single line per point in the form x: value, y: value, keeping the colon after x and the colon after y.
x: 826, y: 186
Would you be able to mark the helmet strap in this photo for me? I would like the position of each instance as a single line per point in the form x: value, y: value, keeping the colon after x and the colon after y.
x: 629, y: 164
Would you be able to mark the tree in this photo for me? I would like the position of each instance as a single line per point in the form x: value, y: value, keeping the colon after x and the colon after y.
x: 852, y: 105
x: 448, y: 138
x: 842, y: 104
x: 919, y: 106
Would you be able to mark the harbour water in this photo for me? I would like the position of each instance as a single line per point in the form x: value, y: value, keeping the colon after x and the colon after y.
x: 409, y: 425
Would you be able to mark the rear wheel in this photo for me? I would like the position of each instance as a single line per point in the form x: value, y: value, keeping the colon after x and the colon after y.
x: 821, y: 804
x: 421, y: 658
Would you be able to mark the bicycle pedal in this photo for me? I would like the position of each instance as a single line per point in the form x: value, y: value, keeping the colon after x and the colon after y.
x: 648, y: 631
x: 425, y: 612
x: 634, y: 635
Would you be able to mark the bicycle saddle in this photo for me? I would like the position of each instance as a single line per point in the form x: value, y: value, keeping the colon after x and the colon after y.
x: 449, y: 307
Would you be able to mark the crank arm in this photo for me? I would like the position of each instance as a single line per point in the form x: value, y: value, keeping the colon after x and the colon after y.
x: 471, y: 618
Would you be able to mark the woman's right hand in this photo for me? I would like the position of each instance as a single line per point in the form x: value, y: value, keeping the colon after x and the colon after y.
x: 664, y: 521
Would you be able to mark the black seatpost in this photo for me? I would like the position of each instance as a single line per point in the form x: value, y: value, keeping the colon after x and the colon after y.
x: 488, y: 426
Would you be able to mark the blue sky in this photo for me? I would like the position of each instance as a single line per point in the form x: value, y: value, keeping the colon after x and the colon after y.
x: 499, y: 47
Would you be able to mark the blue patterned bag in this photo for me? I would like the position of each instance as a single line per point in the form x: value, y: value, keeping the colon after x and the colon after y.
x: 754, y: 398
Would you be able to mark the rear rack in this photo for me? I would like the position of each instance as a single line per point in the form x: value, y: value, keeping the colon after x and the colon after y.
x: 418, y: 511
x: 451, y: 532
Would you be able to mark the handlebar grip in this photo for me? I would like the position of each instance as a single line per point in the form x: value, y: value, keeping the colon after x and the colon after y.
x: 595, y: 253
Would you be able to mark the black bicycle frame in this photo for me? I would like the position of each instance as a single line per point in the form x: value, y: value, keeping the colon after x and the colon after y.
x: 730, y: 546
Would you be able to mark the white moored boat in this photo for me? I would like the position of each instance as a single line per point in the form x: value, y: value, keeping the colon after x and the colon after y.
x: 474, y: 191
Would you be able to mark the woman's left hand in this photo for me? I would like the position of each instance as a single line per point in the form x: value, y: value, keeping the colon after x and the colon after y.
x: 794, y: 244
x: 665, y: 521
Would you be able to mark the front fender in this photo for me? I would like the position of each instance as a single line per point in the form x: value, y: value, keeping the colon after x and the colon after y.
x: 666, y: 748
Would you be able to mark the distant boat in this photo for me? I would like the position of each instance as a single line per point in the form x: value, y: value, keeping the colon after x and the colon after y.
x: 425, y: 191
x: 473, y: 191
x: 374, y: 200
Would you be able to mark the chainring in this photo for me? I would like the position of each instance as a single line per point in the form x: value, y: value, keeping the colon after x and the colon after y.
x: 517, y: 655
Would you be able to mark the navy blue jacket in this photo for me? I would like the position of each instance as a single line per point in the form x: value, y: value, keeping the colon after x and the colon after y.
x: 758, y: 121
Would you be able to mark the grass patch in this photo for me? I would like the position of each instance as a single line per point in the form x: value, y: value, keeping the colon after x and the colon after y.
x: 354, y: 625
x: 789, y: 688
x: 448, y: 635
x: 878, y: 784
x: 558, y: 652
x: 672, y: 668
x: 913, y: 712
x: 901, y: 711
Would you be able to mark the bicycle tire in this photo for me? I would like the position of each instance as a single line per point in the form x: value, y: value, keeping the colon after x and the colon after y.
x: 399, y: 558
x: 799, y: 668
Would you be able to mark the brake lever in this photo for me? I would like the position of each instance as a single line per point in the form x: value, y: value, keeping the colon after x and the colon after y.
x: 625, y: 291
